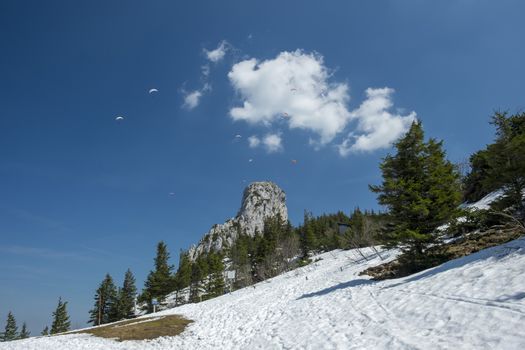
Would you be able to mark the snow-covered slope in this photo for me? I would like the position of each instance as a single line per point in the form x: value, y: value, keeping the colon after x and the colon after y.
x: 476, y: 302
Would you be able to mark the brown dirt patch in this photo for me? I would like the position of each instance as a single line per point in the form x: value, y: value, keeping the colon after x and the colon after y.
x: 141, y: 328
x: 443, y: 253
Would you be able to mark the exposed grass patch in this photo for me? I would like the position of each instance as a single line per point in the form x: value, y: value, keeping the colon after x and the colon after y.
x: 141, y: 328
x: 442, y: 253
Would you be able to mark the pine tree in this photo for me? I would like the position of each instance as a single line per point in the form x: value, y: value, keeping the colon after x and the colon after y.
x: 24, y: 333
x: 11, y: 330
x: 127, y: 296
x: 507, y: 159
x: 420, y: 189
x: 104, y: 308
x: 60, y: 318
x: 183, y: 276
x: 159, y: 282
x: 308, y: 239
x: 216, y: 275
x: 45, y: 331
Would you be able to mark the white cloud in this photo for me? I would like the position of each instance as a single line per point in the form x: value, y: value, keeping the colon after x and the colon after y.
x: 272, y: 143
x: 295, y: 84
x: 219, y: 53
x: 253, y: 141
x: 377, y: 126
x: 192, y: 99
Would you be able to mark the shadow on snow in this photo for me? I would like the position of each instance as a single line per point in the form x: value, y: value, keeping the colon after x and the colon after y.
x: 344, y: 285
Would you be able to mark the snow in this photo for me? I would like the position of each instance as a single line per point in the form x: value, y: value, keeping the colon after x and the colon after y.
x: 475, y: 302
x: 485, y: 202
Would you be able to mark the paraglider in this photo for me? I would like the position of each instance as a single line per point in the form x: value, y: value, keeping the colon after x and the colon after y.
x: 294, y: 161
x: 250, y: 160
x: 238, y: 136
x: 153, y: 90
x: 119, y: 118
x: 285, y: 115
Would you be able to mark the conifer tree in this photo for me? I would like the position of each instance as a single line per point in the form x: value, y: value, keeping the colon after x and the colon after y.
x: 160, y: 282
x: 11, y: 330
x: 308, y: 240
x: 183, y: 275
x: 60, y: 318
x: 45, y: 331
x: 24, y: 333
x: 507, y: 159
x: 420, y: 189
x: 105, y: 303
x: 127, y: 296
x: 216, y: 275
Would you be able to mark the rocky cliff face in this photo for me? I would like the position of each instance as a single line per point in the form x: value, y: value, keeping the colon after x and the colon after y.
x: 260, y: 200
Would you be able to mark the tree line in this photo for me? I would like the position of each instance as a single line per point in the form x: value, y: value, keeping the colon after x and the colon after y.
x: 60, y: 324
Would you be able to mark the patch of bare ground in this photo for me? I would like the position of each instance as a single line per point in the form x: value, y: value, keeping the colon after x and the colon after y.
x: 442, y: 253
x: 140, y: 328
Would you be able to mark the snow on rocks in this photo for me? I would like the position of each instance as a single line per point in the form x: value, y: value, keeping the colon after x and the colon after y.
x: 475, y: 302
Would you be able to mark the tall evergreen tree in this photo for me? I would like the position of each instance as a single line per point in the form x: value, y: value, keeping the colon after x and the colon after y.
x: 420, y: 189
x: 11, y: 330
x: 501, y: 165
x: 160, y: 282
x: 45, y: 331
x: 61, y: 321
x: 24, y: 333
x: 105, y: 303
x: 127, y: 296
x: 507, y: 161
x: 183, y: 275
x: 216, y: 275
x: 308, y: 240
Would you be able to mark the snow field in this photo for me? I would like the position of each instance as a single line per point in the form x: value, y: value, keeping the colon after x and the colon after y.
x: 476, y: 302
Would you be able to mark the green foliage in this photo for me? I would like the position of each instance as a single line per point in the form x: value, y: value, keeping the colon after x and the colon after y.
x: 24, y: 333
x: 160, y: 282
x: 363, y: 229
x: 45, y: 331
x: 216, y: 284
x: 473, y: 220
x: 61, y: 321
x: 420, y: 189
x: 308, y: 238
x: 127, y: 296
x: 501, y: 164
x: 11, y: 330
x: 105, y: 303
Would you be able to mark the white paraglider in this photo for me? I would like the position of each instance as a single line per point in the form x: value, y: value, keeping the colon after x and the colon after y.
x: 119, y: 118
x: 238, y: 136
x: 153, y: 90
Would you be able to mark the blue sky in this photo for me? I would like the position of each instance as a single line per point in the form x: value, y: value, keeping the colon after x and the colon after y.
x: 82, y: 194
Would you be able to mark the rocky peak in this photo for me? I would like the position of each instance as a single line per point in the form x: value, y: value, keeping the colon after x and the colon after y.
x: 260, y: 201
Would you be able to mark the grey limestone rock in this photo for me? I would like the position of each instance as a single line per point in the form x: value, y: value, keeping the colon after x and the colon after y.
x: 260, y: 201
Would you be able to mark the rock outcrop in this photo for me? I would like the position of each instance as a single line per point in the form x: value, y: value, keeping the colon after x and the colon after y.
x: 260, y: 201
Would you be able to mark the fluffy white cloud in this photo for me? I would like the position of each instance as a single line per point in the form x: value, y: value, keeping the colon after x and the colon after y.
x: 272, y: 143
x: 377, y: 126
x: 294, y: 88
x: 217, y: 54
x: 253, y: 141
x: 192, y: 99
